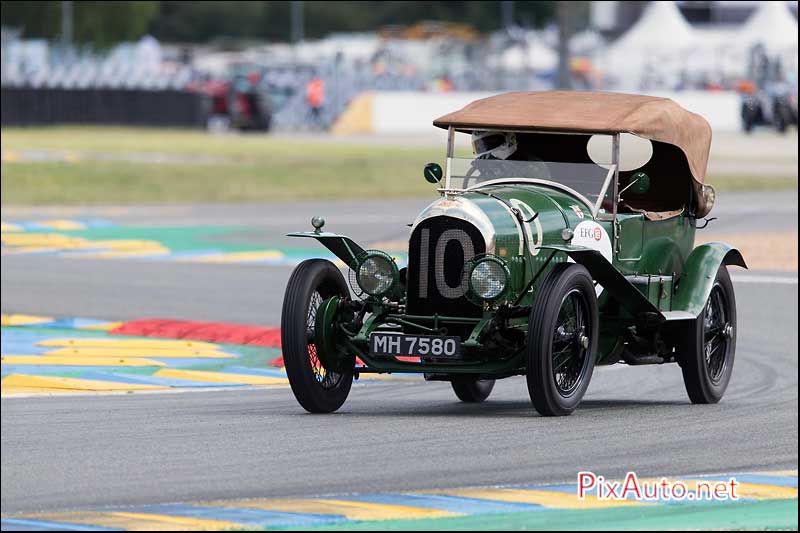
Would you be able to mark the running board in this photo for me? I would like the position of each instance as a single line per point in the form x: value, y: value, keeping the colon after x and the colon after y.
x: 676, y: 316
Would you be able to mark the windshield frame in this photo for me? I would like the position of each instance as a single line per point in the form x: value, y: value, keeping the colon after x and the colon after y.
x: 593, y: 207
x: 611, y: 179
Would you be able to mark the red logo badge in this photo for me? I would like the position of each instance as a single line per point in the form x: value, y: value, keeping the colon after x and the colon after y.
x: 598, y: 234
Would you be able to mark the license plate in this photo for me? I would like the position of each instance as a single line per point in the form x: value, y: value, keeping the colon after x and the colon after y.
x: 399, y: 344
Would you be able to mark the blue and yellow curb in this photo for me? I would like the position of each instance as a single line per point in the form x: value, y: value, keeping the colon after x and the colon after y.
x: 45, y: 356
x: 42, y: 355
x: 515, y: 507
x: 101, y: 239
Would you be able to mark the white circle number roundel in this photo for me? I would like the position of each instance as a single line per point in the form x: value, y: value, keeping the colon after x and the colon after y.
x: 590, y: 234
x: 528, y: 213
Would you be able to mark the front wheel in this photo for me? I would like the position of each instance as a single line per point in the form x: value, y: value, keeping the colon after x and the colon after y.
x: 562, y: 340
x: 472, y: 390
x: 317, y: 389
x: 710, y: 344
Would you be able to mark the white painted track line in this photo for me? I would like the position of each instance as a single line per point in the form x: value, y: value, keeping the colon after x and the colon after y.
x: 765, y: 279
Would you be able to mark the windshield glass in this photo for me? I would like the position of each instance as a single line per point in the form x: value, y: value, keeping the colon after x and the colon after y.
x: 590, y: 182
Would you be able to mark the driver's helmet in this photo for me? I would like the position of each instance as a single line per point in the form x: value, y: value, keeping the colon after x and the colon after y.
x: 493, y: 144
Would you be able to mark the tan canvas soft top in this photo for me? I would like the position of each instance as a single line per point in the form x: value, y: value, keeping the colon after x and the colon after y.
x: 654, y: 118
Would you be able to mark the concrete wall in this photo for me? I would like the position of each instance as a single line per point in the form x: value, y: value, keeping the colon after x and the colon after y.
x: 403, y: 113
x: 414, y: 112
x: 721, y: 109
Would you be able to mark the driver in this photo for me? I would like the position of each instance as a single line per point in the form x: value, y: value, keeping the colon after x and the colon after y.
x: 493, y: 144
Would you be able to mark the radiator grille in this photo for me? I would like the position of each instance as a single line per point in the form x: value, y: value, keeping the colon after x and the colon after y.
x: 437, y: 283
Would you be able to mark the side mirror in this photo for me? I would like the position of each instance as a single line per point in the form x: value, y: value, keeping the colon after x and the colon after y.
x: 640, y: 183
x: 433, y: 173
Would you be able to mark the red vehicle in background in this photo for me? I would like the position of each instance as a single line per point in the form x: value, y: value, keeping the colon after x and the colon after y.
x: 238, y: 102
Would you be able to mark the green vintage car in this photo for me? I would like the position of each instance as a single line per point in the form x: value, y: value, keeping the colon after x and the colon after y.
x: 564, y: 241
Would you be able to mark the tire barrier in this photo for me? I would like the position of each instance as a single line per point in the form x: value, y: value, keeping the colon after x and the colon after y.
x: 135, y: 107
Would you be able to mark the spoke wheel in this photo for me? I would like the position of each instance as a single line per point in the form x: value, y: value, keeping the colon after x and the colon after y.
x: 570, y: 343
x: 316, y: 388
x: 327, y: 379
x: 562, y: 340
x: 716, y: 334
x: 709, y: 346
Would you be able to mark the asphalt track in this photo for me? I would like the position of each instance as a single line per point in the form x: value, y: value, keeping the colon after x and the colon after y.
x: 251, y: 294
x: 79, y: 451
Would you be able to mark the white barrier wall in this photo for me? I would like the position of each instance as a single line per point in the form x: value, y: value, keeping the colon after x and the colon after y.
x: 721, y: 109
x: 413, y: 112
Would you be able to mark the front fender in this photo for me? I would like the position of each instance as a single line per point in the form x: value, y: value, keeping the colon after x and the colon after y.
x: 342, y: 247
x: 699, y: 272
x: 611, y: 279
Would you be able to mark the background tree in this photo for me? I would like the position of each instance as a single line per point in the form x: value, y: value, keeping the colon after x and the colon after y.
x: 99, y: 23
x: 105, y: 23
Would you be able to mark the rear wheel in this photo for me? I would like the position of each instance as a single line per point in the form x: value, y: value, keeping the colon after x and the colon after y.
x: 562, y: 340
x: 317, y: 389
x: 781, y: 123
x: 472, y: 390
x: 710, y: 344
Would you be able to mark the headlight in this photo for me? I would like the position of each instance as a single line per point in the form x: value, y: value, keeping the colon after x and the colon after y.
x: 376, y: 274
x: 489, y: 278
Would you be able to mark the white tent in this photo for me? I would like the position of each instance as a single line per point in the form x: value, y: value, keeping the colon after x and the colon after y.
x: 773, y: 26
x: 715, y: 56
x: 661, y: 26
x: 653, y: 51
x: 726, y: 51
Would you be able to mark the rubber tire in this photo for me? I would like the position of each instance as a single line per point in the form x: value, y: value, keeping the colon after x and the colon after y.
x: 309, y: 276
x: 695, y: 375
x: 780, y: 121
x: 748, y: 118
x: 472, y: 390
x: 541, y: 387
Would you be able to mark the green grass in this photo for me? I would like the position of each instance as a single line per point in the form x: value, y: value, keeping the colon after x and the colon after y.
x: 748, y: 182
x: 227, y: 168
x: 230, y: 168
